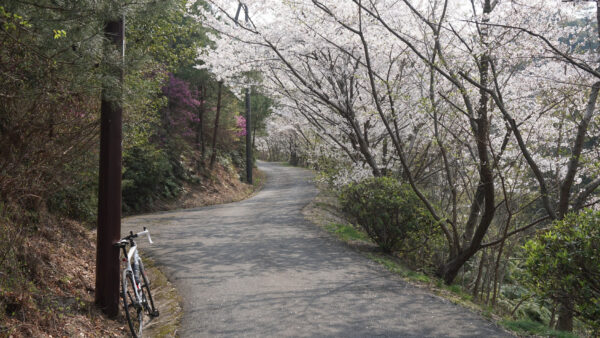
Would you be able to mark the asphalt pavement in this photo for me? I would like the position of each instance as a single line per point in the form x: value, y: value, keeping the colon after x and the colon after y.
x: 257, y: 268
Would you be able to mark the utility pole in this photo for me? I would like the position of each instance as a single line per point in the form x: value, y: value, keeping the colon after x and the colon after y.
x: 109, y: 188
x: 249, y: 162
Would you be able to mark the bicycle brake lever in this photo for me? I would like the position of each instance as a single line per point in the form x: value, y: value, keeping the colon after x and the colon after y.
x: 148, y: 234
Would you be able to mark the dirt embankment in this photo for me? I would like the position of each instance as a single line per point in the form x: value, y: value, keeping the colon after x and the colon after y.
x: 48, y: 289
x: 221, y: 186
x: 51, y: 293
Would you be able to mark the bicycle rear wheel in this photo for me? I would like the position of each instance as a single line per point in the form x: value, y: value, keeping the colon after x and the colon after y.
x: 149, y: 302
x: 131, y: 306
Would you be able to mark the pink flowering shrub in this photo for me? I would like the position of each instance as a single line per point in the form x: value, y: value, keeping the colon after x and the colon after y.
x: 181, y: 113
x: 240, y: 126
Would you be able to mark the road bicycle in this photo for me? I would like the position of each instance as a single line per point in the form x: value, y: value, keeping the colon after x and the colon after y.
x: 135, y: 288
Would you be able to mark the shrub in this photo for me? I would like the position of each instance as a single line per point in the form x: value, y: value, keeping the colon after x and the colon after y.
x: 536, y: 329
x: 149, y: 174
x: 78, y: 201
x: 385, y: 209
x: 75, y: 194
x: 562, y: 262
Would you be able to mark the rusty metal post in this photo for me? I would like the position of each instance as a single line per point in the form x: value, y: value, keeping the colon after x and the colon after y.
x: 109, y: 189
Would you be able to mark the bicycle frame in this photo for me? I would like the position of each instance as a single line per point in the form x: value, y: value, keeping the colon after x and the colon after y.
x: 132, y: 254
x: 133, y: 258
x: 137, y: 294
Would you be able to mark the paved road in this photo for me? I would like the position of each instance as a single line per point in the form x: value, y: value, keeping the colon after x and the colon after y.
x: 256, y: 268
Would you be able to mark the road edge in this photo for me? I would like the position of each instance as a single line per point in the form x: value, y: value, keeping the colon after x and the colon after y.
x: 315, y: 213
x: 164, y: 291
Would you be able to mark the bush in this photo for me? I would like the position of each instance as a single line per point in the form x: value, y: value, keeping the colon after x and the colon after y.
x: 75, y: 194
x: 149, y: 174
x: 562, y: 262
x: 79, y: 202
x: 536, y: 329
x: 387, y: 210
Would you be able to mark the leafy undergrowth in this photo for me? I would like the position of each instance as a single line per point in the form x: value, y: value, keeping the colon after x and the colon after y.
x: 47, y: 284
x: 347, y: 232
x: 528, y: 327
x: 324, y: 211
x: 222, y: 185
x: 396, y: 267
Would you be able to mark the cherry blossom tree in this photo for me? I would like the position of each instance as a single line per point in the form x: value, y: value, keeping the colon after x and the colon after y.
x: 487, y: 108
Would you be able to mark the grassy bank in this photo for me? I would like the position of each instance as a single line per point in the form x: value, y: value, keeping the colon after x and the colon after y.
x: 325, y: 212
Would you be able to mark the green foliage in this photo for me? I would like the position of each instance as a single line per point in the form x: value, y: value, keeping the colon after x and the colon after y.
x: 513, y: 291
x: 390, y: 264
x: 49, y: 96
x: 530, y: 327
x: 55, y: 64
x: 148, y: 175
x: 387, y: 210
x: 395, y: 267
x: 261, y: 110
x: 347, y: 232
x: 77, y: 201
x: 454, y: 288
x: 163, y: 31
x: 327, y: 169
x: 422, y: 246
x: 76, y: 195
x: 10, y: 21
x: 564, y: 262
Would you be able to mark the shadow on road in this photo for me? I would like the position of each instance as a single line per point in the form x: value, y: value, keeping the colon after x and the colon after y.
x: 257, y: 268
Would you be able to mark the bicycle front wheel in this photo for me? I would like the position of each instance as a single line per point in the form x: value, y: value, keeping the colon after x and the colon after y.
x: 148, y: 301
x: 131, y: 306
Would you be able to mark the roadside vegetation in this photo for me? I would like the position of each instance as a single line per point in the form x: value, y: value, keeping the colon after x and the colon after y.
x: 482, y: 116
x: 462, y: 138
x: 518, y: 309
x: 183, y: 144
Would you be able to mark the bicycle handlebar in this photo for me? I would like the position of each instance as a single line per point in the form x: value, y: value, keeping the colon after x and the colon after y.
x: 145, y: 232
x: 131, y: 236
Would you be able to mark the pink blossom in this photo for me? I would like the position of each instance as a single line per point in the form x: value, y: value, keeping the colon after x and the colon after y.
x: 240, y: 124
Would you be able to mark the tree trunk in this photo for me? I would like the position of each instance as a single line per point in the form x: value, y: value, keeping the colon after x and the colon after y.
x: 479, y: 272
x: 450, y: 269
x: 565, y: 315
x: 481, y: 130
x: 200, y: 129
x: 499, y: 257
x: 213, y: 154
x: 253, y: 134
x: 384, y: 157
x: 553, y: 316
x: 293, y: 154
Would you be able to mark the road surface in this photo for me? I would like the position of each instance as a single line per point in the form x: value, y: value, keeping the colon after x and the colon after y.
x: 257, y: 268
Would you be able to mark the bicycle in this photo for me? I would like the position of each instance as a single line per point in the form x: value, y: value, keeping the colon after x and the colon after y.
x: 135, y: 288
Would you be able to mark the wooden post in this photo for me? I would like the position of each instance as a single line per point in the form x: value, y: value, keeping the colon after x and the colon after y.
x: 109, y: 189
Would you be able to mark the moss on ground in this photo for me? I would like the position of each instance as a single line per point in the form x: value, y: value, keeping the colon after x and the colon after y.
x: 167, y: 301
x: 347, y: 232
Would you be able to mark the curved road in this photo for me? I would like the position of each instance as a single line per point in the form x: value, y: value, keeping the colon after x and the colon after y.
x: 257, y: 268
